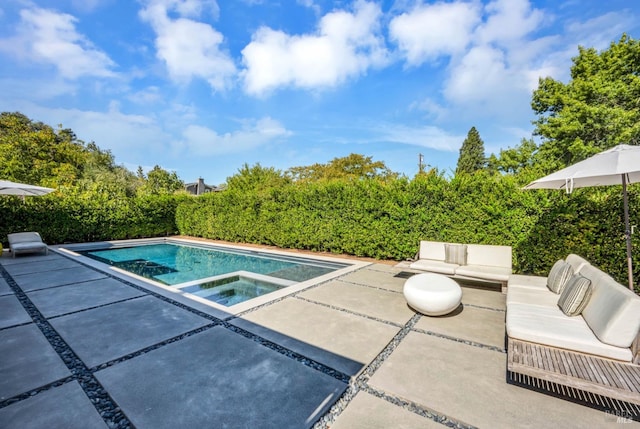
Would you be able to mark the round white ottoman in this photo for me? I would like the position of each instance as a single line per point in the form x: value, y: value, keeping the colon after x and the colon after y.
x: 432, y: 294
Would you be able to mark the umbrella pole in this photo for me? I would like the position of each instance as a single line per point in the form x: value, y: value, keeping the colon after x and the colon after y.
x: 627, y: 229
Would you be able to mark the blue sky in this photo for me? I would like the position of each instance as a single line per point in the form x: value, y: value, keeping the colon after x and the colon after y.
x: 201, y: 87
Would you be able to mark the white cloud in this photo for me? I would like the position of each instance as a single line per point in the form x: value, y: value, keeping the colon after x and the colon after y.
x: 190, y: 49
x: 50, y: 37
x: 432, y: 30
x: 345, y: 45
x: 508, y: 21
x: 204, y: 141
x: 428, y: 136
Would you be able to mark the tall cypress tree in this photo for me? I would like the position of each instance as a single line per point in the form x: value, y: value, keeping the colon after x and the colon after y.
x: 471, y: 153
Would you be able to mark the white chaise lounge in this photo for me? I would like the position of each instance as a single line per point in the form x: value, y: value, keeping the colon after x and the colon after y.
x: 26, y: 242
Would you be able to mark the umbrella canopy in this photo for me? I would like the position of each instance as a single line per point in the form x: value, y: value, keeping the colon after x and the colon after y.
x: 13, y: 188
x: 619, y: 165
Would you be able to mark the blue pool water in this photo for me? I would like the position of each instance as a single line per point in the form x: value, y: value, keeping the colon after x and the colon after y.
x: 173, y: 264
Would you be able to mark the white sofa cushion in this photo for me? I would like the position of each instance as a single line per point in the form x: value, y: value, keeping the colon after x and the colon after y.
x: 432, y: 250
x: 531, y: 296
x: 577, y: 262
x: 434, y: 266
x: 613, y: 312
x: 559, y: 275
x: 528, y: 282
x: 575, y: 296
x: 489, y: 255
x: 500, y: 274
x: 549, y: 326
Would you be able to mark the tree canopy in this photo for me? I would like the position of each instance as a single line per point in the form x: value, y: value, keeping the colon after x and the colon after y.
x: 351, y: 167
x: 35, y: 153
x: 597, y: 109
x: 472, y: 156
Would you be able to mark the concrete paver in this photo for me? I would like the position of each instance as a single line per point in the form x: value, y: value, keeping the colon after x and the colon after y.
x: 472, y: 323
x: 366, y: 411
x: 373, y: 302
x: 39, y: 266
x: 44, y: 411
x: 27, y: 258
x: 65, y: 299
x: 4, y: 288
x: 381, y: 276
x: 468, y: 383
x: 202, y: 381
x: 483, y: 297
x: 124, y: 327
x: 340, y: 333
x: 27, y: 361
x: 13, y: 313
x: 46, y: 279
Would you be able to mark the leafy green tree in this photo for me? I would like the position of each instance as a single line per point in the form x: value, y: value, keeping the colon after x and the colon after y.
x: 597, y: 109
x: 35, y: 153
x: 257, y: 178
x: 513, y: 160
x: 159, y: 182
x: 351, y: 167
x: 472, y: 156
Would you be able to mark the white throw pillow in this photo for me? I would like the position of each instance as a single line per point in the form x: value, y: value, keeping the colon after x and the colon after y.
x: 559, y: 275
x: 455, y: 254
x: 575, y: 296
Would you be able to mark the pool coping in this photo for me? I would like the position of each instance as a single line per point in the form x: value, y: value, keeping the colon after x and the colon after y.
x: 202, y: 304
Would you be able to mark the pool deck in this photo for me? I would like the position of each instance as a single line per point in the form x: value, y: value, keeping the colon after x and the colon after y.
x: 80, y: 348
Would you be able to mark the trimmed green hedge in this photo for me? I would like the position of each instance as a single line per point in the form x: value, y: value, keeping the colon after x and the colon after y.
x: 387, y: 220
x: 63, y: 218
x: 363, y: 218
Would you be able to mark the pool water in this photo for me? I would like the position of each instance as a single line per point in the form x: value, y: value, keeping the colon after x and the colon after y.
x: 221, y: 275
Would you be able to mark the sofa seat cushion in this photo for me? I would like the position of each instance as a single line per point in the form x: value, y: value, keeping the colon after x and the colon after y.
x: 527, y: 282
x: 613, y: 311
x: 531, y: 296
x: 549, y: 326
x: 434, y: 266
x: 484, y: 272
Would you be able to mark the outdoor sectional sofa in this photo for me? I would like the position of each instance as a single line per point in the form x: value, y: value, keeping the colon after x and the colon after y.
x: 479, y: 262
x: 595, y: 351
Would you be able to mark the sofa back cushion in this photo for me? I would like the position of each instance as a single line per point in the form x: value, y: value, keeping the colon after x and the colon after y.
x: 613, y: 311
x: 489, y: 255
x: 432, y: 250
x: 559, y: 275
x: 577, y: 262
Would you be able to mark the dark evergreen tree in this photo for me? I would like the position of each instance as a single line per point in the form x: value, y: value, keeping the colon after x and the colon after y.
x: 471, y: 153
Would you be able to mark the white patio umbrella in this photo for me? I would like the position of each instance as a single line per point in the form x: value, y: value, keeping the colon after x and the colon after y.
x: 20, y: 189
x: 619, y: 165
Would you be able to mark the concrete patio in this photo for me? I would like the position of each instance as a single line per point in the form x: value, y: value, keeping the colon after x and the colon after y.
x: 81, y: 348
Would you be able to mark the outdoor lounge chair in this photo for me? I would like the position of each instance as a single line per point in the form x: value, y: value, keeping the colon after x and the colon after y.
x: 26, y: 242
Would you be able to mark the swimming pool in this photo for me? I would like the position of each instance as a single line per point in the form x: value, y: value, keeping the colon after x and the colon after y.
x: 222, y: 275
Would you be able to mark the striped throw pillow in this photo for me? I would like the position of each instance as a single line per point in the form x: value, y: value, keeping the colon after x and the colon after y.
x: 559, y: 275
x: 575, y: 296
x: 455, y: 254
